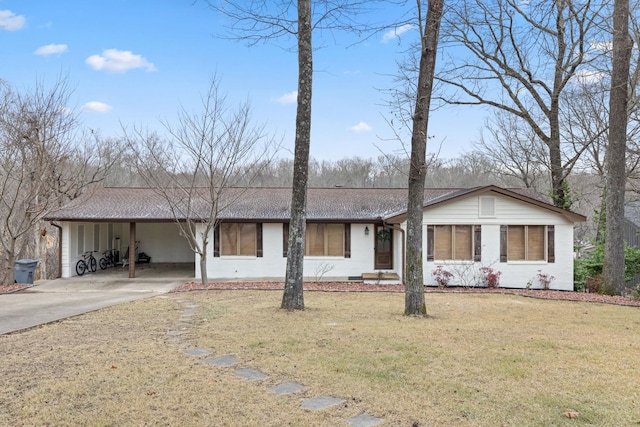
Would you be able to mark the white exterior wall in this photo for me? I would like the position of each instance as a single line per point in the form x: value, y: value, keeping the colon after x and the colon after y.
x: 272, y: 265
x: 161, y: 241
x: 515, y: 274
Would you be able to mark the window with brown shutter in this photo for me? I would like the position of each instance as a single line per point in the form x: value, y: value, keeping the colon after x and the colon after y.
x: 524, y: 242
x: 452, y: 242
x: 238, y: 239
x: 325, y: 239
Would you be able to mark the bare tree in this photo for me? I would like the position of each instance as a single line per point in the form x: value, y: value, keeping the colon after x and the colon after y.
x: 517, y: 151
x: 613, y: 267
x: 44, y: 162
x: 429, y: 33
x: 207, y: 153
x: 261, y: 21
x: 521, y: 57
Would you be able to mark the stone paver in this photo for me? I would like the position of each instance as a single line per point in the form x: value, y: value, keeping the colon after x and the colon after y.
x: 198, y: 352
x: 364, y: 420
x: 287, y: 388
x: 180, y: 331
x: 251, y: 374
x: 320, y: 403
x: 221, y: 361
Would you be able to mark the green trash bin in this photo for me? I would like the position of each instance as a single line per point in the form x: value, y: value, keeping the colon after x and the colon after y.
x: 23, y: 270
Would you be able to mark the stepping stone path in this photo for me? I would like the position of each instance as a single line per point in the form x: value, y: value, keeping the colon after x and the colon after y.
x: 178, y: 334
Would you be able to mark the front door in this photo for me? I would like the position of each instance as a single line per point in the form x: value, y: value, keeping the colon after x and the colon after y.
x: 384, y: 248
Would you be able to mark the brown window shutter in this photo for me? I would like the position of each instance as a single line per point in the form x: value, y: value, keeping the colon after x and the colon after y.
x: 259, y: 240
x: 285, y: 238
x: 430, y: 233
x: 477, y: 243
x: 503, y: 243
x: 216, y: 240
x: 347, y: 240
x: 551, y: 243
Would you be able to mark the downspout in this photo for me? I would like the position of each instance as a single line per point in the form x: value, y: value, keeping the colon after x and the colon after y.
x: 402, y: 231
x: 59, y: 248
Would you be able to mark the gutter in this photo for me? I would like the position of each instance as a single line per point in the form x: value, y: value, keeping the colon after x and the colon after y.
x: 404, y: 250
x: 59, y: 248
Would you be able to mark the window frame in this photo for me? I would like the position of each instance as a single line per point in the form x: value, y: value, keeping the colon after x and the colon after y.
x: 218, y: 243
x: 548, y: 249
x: 476, y: 242
x: 346, y: 248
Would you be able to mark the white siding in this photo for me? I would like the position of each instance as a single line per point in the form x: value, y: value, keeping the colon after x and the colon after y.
x: 508, y: 212
x: 272, y: 265
x: 161, y: 241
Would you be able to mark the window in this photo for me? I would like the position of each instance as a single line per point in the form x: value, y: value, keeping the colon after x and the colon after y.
x: 454, y: 242
x: 238, y: 239
x: 322, y: 239
x: 325, y: 240
x: 526, y: 243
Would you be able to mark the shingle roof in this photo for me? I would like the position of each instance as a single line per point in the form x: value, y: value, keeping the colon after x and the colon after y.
x: 265, y: 204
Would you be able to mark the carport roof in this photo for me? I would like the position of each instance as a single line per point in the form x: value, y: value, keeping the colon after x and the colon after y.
x: 121, y: 204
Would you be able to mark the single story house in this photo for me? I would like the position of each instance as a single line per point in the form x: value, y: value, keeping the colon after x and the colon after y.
x: 352, y: 234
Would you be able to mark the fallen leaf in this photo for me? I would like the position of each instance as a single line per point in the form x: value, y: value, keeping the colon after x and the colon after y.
x: 571, y: 414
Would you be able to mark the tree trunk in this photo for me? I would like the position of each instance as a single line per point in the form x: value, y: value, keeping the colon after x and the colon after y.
x: 293, y: 298
x: 613, y: 267
x: 203, y: 255
x: 10, y: 256
x: 414, y: 282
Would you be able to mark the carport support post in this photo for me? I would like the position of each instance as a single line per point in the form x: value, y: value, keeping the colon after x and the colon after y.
x: 132, y: 250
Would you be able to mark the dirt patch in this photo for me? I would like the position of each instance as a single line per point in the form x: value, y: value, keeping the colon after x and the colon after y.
x: 362, y: 287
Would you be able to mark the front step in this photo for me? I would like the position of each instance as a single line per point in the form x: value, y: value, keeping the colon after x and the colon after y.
x: 381, y: 278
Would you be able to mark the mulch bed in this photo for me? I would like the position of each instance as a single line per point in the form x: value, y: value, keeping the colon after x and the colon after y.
x: 362, y: 287
x: 7, y: 289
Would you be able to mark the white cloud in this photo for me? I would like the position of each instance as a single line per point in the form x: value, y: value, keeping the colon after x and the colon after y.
x: 396, y: 32
x: 589, y: 76
x: 118, y: 61
x: 10, y: 21
x: 605, y: 46
x: 96, y: 107
x: 51, y: 49
x: 360, y: 127
x: 288, y: 98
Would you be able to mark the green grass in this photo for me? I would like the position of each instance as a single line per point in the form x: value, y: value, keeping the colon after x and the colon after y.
x: 478, y: 360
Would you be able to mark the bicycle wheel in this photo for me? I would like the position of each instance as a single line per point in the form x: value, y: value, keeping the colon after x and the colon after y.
x: 103, y: 263
x: 93, y: 264
x: 81, y: 267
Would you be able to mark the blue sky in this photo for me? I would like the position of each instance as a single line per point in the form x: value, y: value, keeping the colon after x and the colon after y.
x: 133, y: 62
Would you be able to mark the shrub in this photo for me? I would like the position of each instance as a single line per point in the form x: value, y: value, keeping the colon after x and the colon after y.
x: 545, y: 279
x: 490, y: 277
x: 590, y: 266
x: 442, y: 276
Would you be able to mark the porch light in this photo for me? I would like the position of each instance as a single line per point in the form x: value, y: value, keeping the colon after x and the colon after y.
x: 366, y: 231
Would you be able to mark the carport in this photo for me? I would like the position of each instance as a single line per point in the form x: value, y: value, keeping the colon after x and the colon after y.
x: 118, y: 220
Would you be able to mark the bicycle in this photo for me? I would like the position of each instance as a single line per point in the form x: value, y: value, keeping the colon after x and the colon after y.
x: 88, y: 262
x: 108, y: 260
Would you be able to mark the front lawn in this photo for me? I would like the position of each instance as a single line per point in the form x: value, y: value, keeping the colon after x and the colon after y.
x: 478, y: 360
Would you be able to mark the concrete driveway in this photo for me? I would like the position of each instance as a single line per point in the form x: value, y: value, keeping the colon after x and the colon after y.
x: 53, y: 300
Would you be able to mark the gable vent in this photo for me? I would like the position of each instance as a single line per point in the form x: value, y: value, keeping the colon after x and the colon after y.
x: 487, y: 206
